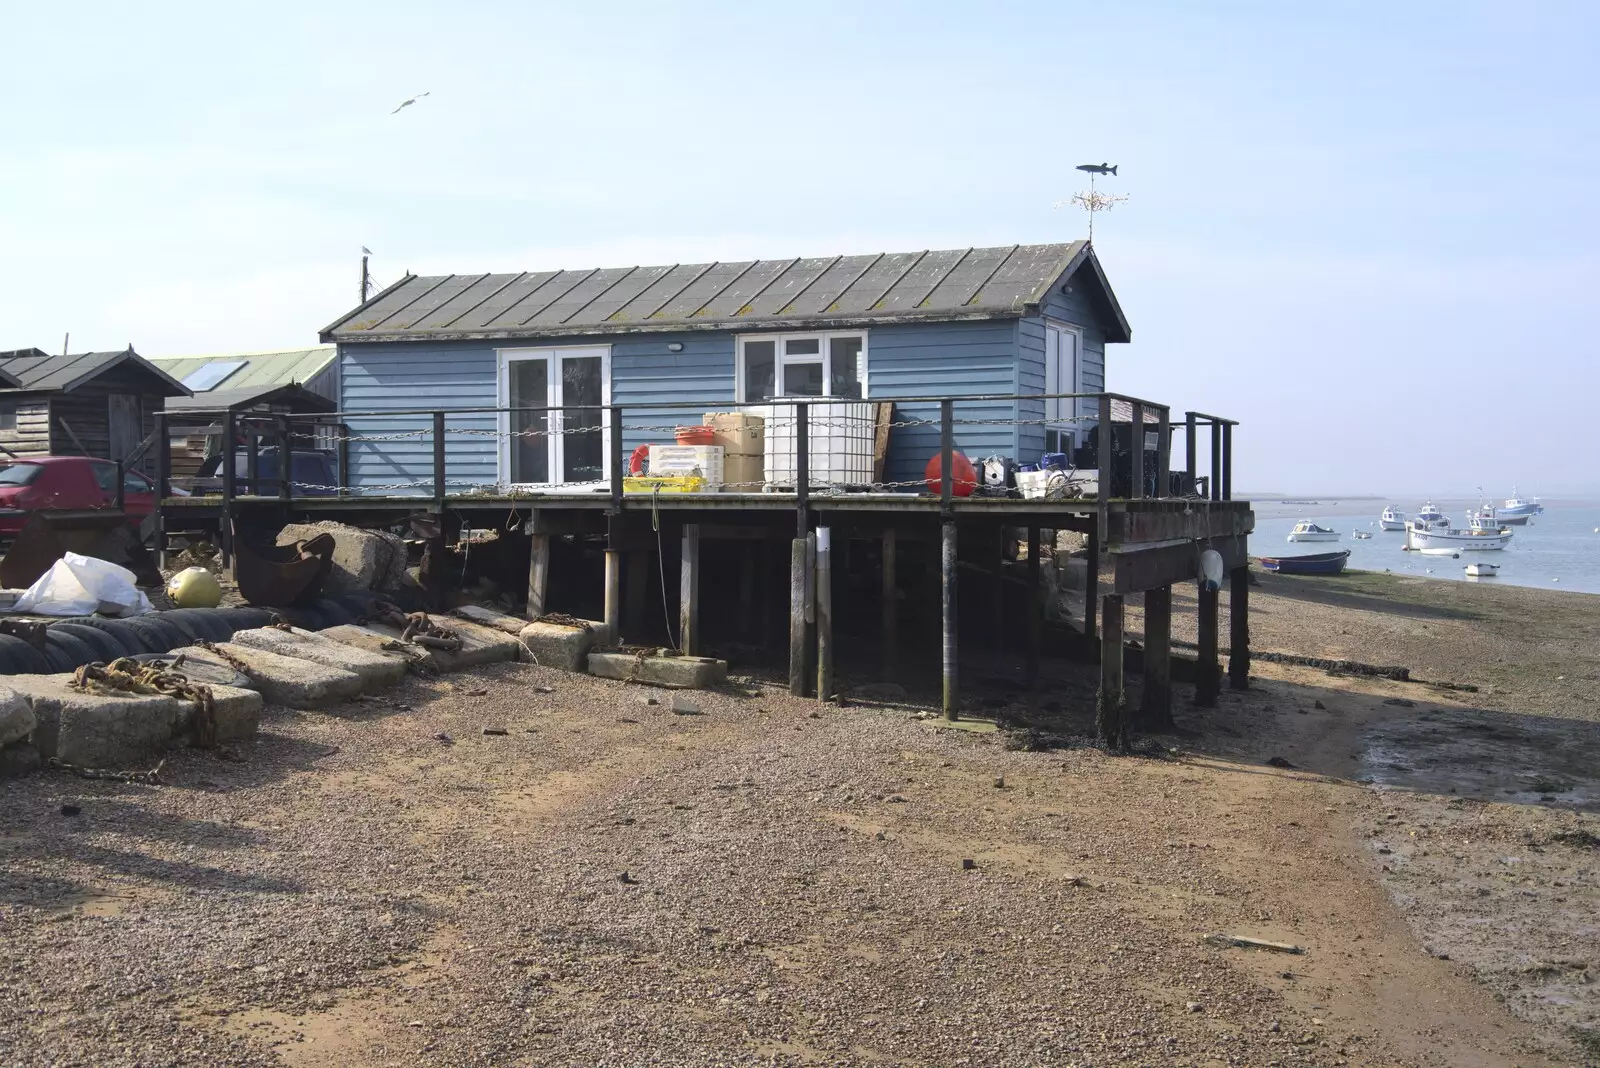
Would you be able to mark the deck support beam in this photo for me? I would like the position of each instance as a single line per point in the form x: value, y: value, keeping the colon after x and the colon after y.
x: 1239, y: 628
x: 1112, y: 706
x: 824, y: 613
x: 613, y: 597
x: 689, y: 592
x: 1155, y: 701
x: 949, y: 576
x: 538, y: 573
x: 1208, y: 674
x: 1035, y: 609
x: 798, y: 559
x: 1091, y: 593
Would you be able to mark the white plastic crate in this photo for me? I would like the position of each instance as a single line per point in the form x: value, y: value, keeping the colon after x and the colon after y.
x: 703, y: 460
x: 839, y: 444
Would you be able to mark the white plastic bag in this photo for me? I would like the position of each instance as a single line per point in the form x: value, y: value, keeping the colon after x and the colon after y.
x: 79, y: 585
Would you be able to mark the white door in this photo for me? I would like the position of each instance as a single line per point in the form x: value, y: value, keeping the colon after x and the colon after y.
x: 555, y: 448
x: 1061, y: 371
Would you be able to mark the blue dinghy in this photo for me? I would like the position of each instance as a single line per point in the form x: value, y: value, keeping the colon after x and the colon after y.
x: 1314, y: 564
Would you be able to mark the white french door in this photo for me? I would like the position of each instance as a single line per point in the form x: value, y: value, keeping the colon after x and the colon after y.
x: 1062, y: 374
x: 553, y: 448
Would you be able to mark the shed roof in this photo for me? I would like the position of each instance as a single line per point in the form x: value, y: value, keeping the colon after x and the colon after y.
x: 38, y: 372
x: 290, y: 395
x: 972, y: 283
x: 261, y: 369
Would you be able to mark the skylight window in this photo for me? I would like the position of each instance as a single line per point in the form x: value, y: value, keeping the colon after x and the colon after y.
x: 211, y: 375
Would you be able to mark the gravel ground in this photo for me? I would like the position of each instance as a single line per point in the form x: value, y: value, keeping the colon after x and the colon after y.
x: 751, y: 880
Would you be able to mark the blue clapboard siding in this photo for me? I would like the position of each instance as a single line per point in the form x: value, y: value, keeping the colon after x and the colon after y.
x: 644, y: 372
x: 936, y: 359
x: 1075, y: 309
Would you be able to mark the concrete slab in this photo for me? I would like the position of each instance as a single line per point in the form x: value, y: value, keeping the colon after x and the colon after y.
x: 287, y: 680
x: 237, y: 711
x: 362, y: 559
x: 376, y: 669
x: 488, y: 617
x: 16, y: 717
x: 673, y: 672
x: 557, y: 646
x: 479, y: 644
x: 96, y: 729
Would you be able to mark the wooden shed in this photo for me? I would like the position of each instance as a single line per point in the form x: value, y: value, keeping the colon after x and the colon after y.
x: 100, y: 404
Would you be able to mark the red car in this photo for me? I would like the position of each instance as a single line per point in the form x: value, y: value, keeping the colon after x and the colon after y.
x: 68, y: 483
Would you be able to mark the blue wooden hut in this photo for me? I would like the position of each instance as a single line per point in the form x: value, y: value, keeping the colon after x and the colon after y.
x: 1019, y: 319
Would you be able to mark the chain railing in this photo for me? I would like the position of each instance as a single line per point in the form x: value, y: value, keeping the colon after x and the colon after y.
x: 1133, y: 464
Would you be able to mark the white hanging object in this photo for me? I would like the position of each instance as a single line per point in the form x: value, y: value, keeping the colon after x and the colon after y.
x: 1210, y: 571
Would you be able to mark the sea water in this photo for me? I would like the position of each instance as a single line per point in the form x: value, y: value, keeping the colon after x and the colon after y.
x: 1559, y: 550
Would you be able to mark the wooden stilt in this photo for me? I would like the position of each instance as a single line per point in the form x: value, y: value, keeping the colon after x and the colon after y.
x: 1155, y: 704
x: 689, y: 592
x: 1035, y: 608
x: 538, y: 575
x: 797, y: 617
x: 613, y: 601
x: 1113, y: 703
x: 824, y: 613
x: 1207, y: 673
x: 891, y: 604
x: 948, y: 577
x: 1239, y: 628
x: 1091, y: 595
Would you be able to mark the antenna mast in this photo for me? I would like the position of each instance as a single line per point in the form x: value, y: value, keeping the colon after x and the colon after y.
x: 1094, y: 201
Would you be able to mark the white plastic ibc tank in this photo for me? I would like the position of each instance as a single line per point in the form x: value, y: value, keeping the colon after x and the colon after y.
x: 839, y: 443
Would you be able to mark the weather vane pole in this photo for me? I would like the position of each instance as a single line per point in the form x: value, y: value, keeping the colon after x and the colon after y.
x: 1094, y: 201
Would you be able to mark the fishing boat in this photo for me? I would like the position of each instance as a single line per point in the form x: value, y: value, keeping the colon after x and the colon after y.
x: 1435, y: 519
x: 1306, y: 530
x: 1485, y: 518
x: 1421, y: 536
x: 1392, y: 519
x: 1313, y: 564
x: 1482, y: 570
x: 1519, y: 506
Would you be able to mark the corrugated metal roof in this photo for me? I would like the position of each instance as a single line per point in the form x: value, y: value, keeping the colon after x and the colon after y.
x: 971, y: 283
x: 45, y: 373
x: 261, y: 370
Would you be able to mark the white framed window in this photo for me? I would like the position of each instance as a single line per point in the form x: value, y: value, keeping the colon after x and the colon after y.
x: 546, y: 448
x: 829, y: 364
x: 1063, y: 373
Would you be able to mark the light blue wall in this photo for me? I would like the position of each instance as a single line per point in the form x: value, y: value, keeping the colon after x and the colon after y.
x: 1075, y: 309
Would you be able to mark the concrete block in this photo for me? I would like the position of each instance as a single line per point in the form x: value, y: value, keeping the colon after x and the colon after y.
x: 479, y: 644
x: 19, y: 759
x: 16, y: 717
x: 372, y: 640
x: 362, y: 559
x: 97, y: 729
x: 674, y: 672
x: 237, y: 712
x: 557, y: 646
x: 488, y: 617
x: 287, y: 680
x: 375, y: 669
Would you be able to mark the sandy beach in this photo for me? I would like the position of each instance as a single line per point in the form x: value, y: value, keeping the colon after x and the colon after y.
x: 754, y: 879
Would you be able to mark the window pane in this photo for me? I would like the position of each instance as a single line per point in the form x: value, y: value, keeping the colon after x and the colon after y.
x: 529, y: 388
x: 105, y: 476
x: 582, y: 453
x: 802, y: 380
x: 803, y: 346
x: 844, y: 367
x: 759, y: 358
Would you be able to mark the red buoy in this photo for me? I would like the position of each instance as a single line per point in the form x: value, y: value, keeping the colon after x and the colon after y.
x: 966, y: 479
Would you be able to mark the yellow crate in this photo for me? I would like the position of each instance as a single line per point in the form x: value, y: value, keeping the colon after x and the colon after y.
x: 664, y: 483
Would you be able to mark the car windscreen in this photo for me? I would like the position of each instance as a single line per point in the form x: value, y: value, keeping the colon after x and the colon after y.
x: 19, y: 474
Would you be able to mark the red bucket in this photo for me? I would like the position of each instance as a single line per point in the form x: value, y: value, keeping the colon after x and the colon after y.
x: 695, y: 435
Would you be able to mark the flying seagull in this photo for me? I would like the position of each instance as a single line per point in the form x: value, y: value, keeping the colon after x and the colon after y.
x: 1092, y: 168
x: 408, y: 103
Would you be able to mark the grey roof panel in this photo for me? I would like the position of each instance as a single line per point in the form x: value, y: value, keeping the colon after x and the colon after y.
x: 998, y: 282
x: 64, y: 372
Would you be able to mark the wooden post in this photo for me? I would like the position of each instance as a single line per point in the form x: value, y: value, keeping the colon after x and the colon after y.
x: 1207, y: 673
x: 1112, y: 711
x: 613, y: 601
x: 948, y: 577
x: 635, y: 589
x: 802, y: 469
x: 689, y: 592
x: 1216, y: 460
x: 891, y: 603
x: 230, y: 431
x: 538, y: 573
x: 1239, y: 628
x: 1035, y: 608
x: 1136, y: 446
x: 440, y: 485
x: 797, y: 617
x: 252, y: 459
x: 947, y: 449
x: 1191, y: 469
x: 824, y: 613
x: 1164, y: 454
x: 1155, y: 705
x: 285, y: 459
x: 1227, y: 461
x: 1091, y: 593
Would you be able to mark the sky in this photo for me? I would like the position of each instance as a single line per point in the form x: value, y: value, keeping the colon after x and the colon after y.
x: 1366, y: 230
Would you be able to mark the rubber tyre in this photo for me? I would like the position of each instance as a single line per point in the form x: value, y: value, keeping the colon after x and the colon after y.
x: 22, y: 657
x: 359, y: 605
x: 126, y: 636
x: 106, y: 647
x: 334, y: 614
x: 245, y: 618
x: 159, y: 636
x: 178, y: 620
x: 67, y: 652
x: 202, y: 621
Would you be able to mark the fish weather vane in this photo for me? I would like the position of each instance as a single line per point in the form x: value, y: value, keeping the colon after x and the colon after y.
x: 1094, y: 201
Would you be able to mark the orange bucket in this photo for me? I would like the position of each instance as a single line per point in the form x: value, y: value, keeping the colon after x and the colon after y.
x: 696, y: 435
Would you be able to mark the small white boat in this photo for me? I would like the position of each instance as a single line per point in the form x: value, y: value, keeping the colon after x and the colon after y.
x: 1362, y: 535
x: 1421, y: 536
x: 1440, y: 552
x: 1392, y: 519
x: 1306, y: 530
x: 1482, y: 570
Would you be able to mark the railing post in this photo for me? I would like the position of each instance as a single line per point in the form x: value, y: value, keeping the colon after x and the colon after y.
x: 1227, y: 461
x: 122, y: 489
x: 947, y: 454
x: 618, y: 470
x: 1216, y: 459
x: 802, y: 467
x: 1164, y: 454
x: 285, y: 459
x: 163, y: 455
x: 1191, y: 465
x: 252, y: 460
x: 1136, y: 444
x: 230, y: 432
x: 344, y: 458
x: 438, y: 461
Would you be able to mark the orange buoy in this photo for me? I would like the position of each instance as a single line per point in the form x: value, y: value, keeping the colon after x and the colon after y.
x: 966, y: 479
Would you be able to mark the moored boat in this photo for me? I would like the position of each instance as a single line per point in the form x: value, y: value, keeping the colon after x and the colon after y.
x: 1362, y: 535
x: 1306, y: 530
x: 1392, y: 519
x: 1482, y: 570
x: 1519, y: 506
x: 1312, y: 564
x: 1423, y: 537
x: 1435, y: 519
